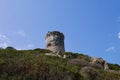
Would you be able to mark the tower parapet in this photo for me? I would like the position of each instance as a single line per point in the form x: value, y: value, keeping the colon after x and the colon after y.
x: 55, y: 42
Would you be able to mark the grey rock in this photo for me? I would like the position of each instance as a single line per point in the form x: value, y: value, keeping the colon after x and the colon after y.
x: 101, y: 62
x: 79, y: 62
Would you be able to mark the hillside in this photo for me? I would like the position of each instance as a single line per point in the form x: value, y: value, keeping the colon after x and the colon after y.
x: 35, y: 65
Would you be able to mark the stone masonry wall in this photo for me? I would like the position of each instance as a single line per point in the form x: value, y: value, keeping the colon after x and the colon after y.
x: 55, y: 42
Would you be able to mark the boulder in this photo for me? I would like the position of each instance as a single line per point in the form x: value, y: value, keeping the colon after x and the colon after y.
x: 101, y: 62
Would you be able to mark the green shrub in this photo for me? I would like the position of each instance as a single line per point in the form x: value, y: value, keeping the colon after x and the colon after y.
x: 90, y: 73
x: 34, y: 65
x: 114, y: 66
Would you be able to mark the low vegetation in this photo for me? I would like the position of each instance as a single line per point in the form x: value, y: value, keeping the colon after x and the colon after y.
x: 35, y: 65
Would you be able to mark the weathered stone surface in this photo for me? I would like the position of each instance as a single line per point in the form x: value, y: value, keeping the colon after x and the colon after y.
x: 55, y: 42
x: 100, y: 61
x: 96, y: 66
x: 82, y: 62
x: 79, y: 62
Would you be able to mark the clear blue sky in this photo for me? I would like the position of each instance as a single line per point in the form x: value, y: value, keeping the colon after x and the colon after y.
x: 91, y: 27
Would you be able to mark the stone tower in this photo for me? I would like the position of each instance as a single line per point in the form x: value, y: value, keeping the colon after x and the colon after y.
x: 55, y: 42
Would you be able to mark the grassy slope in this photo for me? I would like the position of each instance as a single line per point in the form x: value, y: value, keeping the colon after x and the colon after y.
x: 34, y: 65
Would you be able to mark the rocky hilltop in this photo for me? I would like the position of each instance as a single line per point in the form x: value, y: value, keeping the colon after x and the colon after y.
x: 36, y: 65
x: 53, y: 63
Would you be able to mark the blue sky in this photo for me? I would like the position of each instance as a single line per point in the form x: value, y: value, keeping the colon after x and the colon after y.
x: 91, y: 27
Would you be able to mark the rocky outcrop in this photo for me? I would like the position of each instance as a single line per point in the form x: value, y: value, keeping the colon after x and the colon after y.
x: 101, y: 62
x: 84, y: 63
x: 79, y: 62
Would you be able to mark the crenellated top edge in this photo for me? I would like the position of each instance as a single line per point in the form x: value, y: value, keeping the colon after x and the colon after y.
x: 53, y: 33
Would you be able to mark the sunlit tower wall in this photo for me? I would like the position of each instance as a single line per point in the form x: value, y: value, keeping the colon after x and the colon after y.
x: 55, y: 42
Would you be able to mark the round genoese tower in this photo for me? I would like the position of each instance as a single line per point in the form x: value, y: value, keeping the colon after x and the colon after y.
x: 55, y: 42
